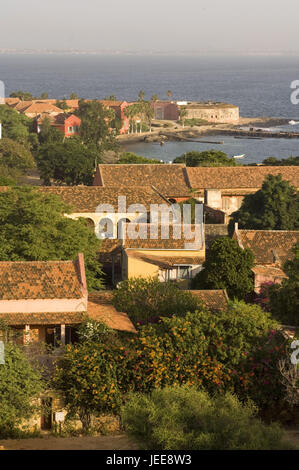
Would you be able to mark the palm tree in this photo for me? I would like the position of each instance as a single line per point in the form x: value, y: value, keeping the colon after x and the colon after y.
x: 169, y: 94
x: 154, y: 97
x: 183, y: 114
x: 141, y: 95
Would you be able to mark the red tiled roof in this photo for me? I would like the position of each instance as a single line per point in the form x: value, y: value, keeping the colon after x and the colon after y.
x: 165, y: 262
x: 214, y: 299
x: 87, y: 198
x: 245, y: 177
x: 267, y: 270
x: 101, y: 309
x: 269, y: 246
x: 39, y: 108
x: 170, y: 180
x: 39, y: 280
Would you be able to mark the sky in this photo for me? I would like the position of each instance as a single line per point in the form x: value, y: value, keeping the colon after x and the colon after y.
x: 209, y: 26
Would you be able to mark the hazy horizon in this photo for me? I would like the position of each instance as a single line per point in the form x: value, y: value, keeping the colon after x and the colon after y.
x: 192, y: 26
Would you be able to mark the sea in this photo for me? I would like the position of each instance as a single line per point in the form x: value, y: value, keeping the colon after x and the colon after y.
x: 259, y: 85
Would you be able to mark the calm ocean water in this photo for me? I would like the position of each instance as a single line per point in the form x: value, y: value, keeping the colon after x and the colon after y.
x: 258, y: 85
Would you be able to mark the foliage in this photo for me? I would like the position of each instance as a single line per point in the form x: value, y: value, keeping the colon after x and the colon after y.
x: 20, y: 384
x: 148, y: 299
x: 90, y: 377
x: 195, y: 122
x: 95, y: 120
x: 49, y: 134
x: 15, y: 126
x: 284, y: 299
x: 227, y: 266
x: 130, y: 157
x: 203, y: 349
x: 92, y: 330
x: 272, y: 161
x: 183, y: 418
x: 33, y: 227
x: 15, y: 155
x: 205, y: 158
x: 274, y: 207
x: 67, y: 162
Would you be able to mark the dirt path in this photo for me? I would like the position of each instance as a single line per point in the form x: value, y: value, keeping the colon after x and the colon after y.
x: 120, y: 442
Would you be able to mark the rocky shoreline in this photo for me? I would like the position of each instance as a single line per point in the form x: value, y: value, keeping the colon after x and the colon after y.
x: 177, y: 133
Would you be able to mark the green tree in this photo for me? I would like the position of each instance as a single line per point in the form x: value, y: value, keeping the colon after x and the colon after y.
x: 148, y: 113
x: 141, y: 95
x: 67, y: 162
x: 49, y: 134
x: 130, y: 157
x: 15, y: 126
x: 272, y: 161
x: 23, y: 95
x: 44, y: 96
x: 182, y: 114
x: 62, y: 104
x: 205, y: 158
x: 227, y: 266
x: 20, y: 384
x: 73, y: 96
x: 89, y: 378
x: 33, y: 227
x: 169, y: 94
x: 284, y: 299
x: 184, y: 418
x: 95, y: 121
x: 15, y: 155
x: 274, y: 207
x: 147, y: 299
x: 155, y: 97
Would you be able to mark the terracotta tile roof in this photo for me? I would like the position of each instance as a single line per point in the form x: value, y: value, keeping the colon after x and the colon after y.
x: 214, y: 299
x: 267, y: 270
x: 39, y: 108
x: 171, y: 243
x: 101, y: 309
x: 87, y: 198
x: 239, y: 177
x: 269, y: 246
x: 111, y: 103
x: 39, y: 280
x: 57, y: 318
x: 170, y: 180
x: 165, y: 262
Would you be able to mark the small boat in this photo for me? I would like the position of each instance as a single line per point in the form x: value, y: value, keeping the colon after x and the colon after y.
x: 293, y: 123
x: 239, y: 156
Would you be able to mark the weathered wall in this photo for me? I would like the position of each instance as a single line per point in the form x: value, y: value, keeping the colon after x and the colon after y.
x: 219, y: 114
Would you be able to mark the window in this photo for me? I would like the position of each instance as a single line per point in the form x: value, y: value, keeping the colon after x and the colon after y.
x: 184, y: 272
x: 70, y: 130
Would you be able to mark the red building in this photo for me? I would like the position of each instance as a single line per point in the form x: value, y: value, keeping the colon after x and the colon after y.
x: 165, y: 110
x: 120, y: 108
x: 68, y: 124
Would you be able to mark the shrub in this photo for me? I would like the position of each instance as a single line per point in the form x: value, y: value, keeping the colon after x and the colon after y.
x: 148, y: 299
x: 187, y: 419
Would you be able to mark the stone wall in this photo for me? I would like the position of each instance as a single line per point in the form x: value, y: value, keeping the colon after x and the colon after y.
x: 217, y: 113
x: 213, y: 231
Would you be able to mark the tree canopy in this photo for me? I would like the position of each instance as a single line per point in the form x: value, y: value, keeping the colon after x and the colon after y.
x: 274, y: 207
x: 20, y: 384
x: 284, y: 299
x: 68, y: 162
x: 33, y: 227
x: 130, y: 157
x: 206, y: 158
x: 227, y: 266
x: 15, y: 155
x: 95, y: 120
x: 147, y: 299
